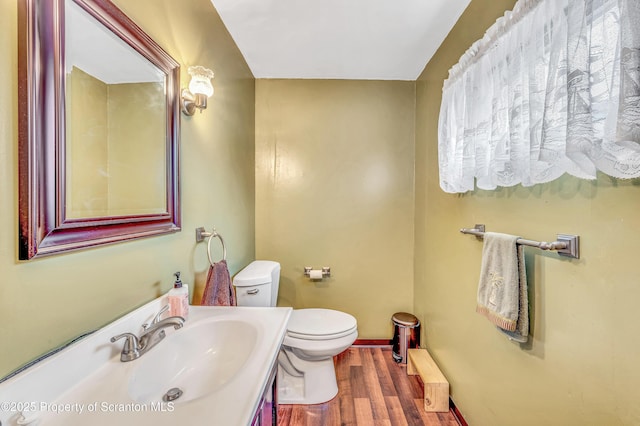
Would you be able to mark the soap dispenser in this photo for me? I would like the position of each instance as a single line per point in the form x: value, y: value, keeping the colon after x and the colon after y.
x: 179, y: 298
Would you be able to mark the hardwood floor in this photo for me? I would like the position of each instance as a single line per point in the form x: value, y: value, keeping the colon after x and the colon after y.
x: 372, y: 390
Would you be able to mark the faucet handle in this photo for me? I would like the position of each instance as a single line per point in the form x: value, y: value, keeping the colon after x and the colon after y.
x: 130, y: 350
x: 156, y: 319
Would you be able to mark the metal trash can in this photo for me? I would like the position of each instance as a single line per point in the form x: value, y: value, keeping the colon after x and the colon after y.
x: 406, y: 335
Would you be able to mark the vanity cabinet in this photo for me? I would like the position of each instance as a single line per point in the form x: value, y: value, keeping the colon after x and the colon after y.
x: 267, y: 413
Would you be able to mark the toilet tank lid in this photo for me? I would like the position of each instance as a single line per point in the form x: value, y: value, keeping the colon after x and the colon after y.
x: 256, y: 273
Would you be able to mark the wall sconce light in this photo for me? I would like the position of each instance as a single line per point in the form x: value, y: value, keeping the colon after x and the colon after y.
x: 199, y: 90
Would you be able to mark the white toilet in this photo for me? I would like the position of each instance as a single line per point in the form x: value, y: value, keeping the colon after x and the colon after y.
x: 306, y: 374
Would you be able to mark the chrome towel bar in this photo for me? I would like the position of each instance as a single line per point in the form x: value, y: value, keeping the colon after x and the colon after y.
x: 566, y: 245
x: 201, y: 234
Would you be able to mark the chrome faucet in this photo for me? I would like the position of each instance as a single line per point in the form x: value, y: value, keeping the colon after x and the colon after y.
x: 134, y: 347
x: 147, y: 340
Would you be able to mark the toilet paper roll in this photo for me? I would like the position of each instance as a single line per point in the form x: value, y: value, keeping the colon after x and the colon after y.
x: 315, y: 274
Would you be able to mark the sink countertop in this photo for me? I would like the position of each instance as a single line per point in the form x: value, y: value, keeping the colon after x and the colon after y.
x: 82, y: 385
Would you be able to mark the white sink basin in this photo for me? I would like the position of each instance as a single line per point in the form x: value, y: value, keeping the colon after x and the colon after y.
x: 221, y: 360
x: 197, y: 360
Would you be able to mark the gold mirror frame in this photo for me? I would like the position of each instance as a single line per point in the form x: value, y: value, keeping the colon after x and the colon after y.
x: 44, y: 228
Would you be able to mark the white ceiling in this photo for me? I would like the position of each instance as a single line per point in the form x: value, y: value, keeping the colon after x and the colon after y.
x: 339, y: 39
x: 96, y: 50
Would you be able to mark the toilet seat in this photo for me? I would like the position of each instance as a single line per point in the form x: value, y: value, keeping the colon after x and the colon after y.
x: 320, y: 324
x: 313, y: 338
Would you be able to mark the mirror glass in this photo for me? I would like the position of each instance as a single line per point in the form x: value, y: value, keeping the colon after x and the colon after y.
x: 99, y: 129
x: 115, y: 124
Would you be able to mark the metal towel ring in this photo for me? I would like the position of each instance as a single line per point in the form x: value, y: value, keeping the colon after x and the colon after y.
x: 201, y: 234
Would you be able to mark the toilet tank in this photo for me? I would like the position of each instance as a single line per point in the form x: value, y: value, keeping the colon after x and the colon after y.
x: 257, y: 284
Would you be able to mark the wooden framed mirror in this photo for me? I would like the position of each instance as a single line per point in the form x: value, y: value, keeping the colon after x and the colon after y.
x: 98, y: 129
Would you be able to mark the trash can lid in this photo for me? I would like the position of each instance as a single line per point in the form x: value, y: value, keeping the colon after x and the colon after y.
x: 406, y: 319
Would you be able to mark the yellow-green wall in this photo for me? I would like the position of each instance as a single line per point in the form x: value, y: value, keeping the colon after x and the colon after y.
x: 48, y: 301
x: 87, y: 146
x: 107, y: 174
x: 334, y: 187
x: 131, y: 192
x: 581, y: 366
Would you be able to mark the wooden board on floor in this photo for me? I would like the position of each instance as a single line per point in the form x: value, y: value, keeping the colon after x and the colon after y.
x: 436, y: 386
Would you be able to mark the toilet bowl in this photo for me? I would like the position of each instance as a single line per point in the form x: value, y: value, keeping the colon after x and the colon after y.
x: 306, y: 370
x: 306, y: 374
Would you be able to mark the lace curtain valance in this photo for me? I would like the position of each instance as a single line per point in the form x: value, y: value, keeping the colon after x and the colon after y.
x: 552, y: 88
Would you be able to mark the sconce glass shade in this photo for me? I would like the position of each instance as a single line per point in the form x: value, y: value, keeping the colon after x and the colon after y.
x: 200, y: 88
x: 200, y: 83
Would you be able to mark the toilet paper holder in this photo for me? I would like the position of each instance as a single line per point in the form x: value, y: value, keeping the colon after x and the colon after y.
x: 326, y: 271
